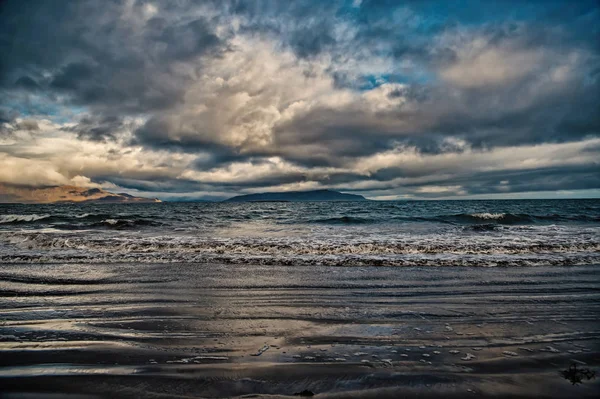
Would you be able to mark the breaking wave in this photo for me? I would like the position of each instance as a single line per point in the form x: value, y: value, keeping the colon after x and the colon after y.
x: 80, y: 221
x: 21, y: 218
x: 430, y: 250
x: 431, y: 245
x: 108, y: 220
x: 125, y: 223
x: 500, y: 218
x: 514, y: 218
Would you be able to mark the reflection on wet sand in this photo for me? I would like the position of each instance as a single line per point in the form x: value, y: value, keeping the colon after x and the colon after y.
x: 188, y: 330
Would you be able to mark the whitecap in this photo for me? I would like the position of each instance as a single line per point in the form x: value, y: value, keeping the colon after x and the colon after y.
x: 487, y: 215
x: 22, y: 218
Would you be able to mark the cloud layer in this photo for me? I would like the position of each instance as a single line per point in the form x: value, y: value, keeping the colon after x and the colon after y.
x: 390, y: 100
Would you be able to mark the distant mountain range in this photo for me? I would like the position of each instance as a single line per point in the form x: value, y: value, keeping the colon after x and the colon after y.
x: 66, y: 194
x: 74, y: 194
x: 315, y: 195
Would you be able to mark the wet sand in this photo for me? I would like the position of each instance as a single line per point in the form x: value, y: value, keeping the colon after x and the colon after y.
x: 187, y: 330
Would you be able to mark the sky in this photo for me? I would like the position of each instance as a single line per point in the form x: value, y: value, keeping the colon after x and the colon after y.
x: 388, y: 99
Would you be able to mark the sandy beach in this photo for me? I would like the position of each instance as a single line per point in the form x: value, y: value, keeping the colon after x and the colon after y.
x: 201, y: 330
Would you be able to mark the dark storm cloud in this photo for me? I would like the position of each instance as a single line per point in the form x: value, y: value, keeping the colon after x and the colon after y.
x: 183, y: 41
x: 179, y: 80
x: 163, y: 134
x: 98, y: 128
x: 7, y: 115
x: 27, y: 83
x: 97, y: 56
x: 218, y: 156
x: 546, y: 179
x: 72, y: 76
x: 515, y: 114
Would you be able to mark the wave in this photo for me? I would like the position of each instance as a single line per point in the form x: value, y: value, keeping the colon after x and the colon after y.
x: 462, y: 218
x: 512, y: 218
x: 111, y: 223
x: 319, y: 246
x: 343, y: 220
x: 21, y: 218
x: 476, y: 240
x: 81, y: 221
x: 482, y: 227
x: 479, y: 221
x: 488, y: 220
x: 485, y: 217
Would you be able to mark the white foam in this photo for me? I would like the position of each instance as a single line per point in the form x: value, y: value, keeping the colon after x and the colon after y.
x: 488, y: 216
x: 523, y: 248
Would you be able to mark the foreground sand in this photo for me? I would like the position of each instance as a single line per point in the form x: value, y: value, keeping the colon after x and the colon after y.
x: 185, y: 330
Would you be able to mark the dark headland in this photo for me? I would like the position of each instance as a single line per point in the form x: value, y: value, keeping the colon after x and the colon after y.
x: 291, y: 196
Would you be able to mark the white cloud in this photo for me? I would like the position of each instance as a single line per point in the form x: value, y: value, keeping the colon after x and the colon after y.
x: 455, y: 190
x: 492, y: 66
x: 468, y: 161
x: 51, y: 156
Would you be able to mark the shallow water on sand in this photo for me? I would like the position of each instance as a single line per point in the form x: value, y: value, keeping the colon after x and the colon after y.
x: 221, y: 330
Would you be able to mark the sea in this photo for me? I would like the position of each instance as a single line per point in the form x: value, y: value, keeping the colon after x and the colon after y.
x: 361, y: 300
x: 500, y: 233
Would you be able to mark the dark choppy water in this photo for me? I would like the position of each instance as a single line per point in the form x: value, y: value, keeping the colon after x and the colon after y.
x: 419, y: 233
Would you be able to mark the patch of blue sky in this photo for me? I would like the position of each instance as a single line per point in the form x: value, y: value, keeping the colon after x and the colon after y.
x: 430, y: 15
x: 370, y: 82
x: 42, y: 107
x: 69, y: 113
x: 475, y: 12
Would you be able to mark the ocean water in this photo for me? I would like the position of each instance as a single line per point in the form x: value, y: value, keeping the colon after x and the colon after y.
x: 411, y: 233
